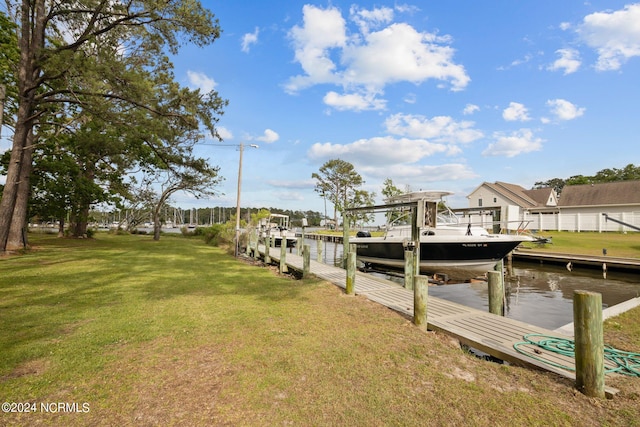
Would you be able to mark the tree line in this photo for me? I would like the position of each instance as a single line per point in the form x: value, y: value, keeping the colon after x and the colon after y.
x: 196, y: 216
x: 628, y: 173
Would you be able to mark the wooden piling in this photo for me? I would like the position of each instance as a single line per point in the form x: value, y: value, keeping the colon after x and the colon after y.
x: 267, y: 243
x: 319, y: 244
x: 496, y: 293
x: 409, y: 269
x: 420, y: 295
x: 306, y: 260
x: 345, y: 239
x: 283, y: 257
x: 589, y: 343
x: 299, y: 245
x: 351, y: 273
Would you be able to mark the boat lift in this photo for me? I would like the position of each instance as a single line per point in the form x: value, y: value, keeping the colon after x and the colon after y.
x: 423, y: 206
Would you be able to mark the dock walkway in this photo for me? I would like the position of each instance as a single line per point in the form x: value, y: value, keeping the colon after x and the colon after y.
x: 489, y: 333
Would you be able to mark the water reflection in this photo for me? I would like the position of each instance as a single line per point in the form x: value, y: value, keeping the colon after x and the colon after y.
x: 541, y: 295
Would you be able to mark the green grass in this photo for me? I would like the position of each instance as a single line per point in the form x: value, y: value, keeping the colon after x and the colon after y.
x: 176, y: 332
x: 624, y: 245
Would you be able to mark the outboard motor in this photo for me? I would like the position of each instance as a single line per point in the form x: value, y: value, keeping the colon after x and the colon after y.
x: 363, y: 234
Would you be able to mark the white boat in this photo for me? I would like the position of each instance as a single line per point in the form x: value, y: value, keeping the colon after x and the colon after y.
x: 446, y: 245
x: 277, y: 227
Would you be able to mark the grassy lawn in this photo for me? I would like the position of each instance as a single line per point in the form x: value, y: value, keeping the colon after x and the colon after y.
x: 175, y: 332
x: 591, y: 243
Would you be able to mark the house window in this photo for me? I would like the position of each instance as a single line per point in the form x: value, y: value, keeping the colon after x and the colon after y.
x: 479, y: 202
x: 495, y: 200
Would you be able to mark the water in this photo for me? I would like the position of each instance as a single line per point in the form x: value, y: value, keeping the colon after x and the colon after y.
x: 540, y: 295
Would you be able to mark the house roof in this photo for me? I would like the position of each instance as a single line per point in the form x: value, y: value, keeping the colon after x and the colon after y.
x: 540, y: 195
x: 609, y: 193
x: 518, y: 195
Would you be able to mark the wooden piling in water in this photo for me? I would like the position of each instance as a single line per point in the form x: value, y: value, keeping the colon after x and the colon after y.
x: 420, y: 296
x: 589, y: 343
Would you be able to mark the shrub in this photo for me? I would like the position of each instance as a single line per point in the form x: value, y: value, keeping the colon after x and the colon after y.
x: 215, y: 234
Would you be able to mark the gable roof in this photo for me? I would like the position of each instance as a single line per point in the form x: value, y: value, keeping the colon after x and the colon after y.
x: 540, y: 195
x: 519, y: 196
x: 608, y: 193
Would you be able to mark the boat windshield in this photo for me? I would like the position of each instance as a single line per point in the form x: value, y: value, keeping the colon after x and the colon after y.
x: 445, y: 216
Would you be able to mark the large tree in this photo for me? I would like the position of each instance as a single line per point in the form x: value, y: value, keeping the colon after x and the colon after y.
x: 106, y: 58
x: 339, y: 182
x: 193, y: 176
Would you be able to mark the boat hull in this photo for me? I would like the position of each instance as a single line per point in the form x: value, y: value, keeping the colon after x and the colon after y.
x: 468, y: 257
x: 290, y: 242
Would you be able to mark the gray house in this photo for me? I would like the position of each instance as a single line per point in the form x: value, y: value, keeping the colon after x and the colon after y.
x: 578, y: 208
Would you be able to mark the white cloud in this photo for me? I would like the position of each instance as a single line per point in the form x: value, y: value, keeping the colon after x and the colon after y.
x: 288, y: 195
x: 354, y: 101
x: 406, y: 8
x: 322, y: 30
x: 516, y: 112
x: 438, y: 129
x: 248, y: 39
x: 298, y: 184
x: 565, y: 110
x: 378, y: 151
x: 614, y: 35
x: 569, y: 61
x: 410, y: 98
x: 201, y: 81
x: 514, y: 144
x: 470, y: 109
x: 365, y: 19
x: 224, y: 133
x: 409, y: 56
x: 269, y: 136
x: 416, y: 174
x: 329, y: 55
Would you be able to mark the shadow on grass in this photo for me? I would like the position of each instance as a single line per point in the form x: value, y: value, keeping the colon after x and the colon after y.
x: 64, y: 283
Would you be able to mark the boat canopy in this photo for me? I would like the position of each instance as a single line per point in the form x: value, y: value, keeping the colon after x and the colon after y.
x: 414, y: 196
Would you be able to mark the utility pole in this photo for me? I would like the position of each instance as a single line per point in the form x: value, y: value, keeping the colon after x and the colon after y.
x: 238, y: 197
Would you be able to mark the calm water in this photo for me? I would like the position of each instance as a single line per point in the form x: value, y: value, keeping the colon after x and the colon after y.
x: 541, y: 295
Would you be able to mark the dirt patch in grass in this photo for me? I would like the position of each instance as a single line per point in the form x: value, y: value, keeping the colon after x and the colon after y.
x: 31, y: 367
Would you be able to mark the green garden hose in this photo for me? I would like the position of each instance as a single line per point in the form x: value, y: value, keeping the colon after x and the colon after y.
x: 626, y: 363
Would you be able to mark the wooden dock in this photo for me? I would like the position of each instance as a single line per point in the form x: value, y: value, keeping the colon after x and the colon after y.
x: 491, y: 334
x: 590, y: 261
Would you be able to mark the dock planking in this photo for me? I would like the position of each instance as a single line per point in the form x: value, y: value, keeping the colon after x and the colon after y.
x: 486, y: 332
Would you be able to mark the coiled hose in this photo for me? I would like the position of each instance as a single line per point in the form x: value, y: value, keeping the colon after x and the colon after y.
x: 626, y: 363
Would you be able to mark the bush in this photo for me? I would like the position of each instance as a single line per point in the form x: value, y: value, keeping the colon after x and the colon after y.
x: 216, y: 234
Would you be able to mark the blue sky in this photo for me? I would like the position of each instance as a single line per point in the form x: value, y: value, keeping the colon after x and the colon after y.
x: 439, y: 95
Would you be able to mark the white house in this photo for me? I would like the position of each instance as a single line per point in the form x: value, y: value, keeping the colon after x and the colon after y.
x: 504, y: 206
